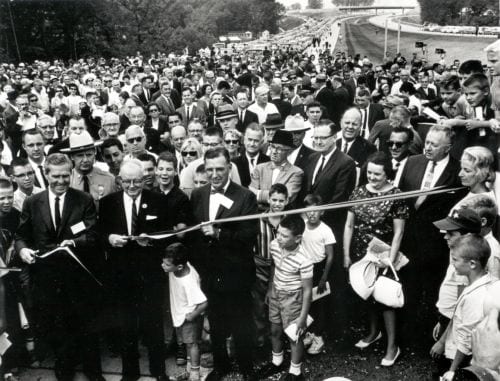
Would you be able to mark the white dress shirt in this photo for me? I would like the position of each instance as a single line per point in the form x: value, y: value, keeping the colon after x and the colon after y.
x: 52, y: 204
x: 320, y: 160
x: 38, y: 173
x: 292, y: 157
x: 399, y: 171
x: 127, y: 203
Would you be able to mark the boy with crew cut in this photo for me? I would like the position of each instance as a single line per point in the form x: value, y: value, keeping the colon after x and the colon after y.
x: 469, y: 255
x: 187, y: 302
x: 289, y: 295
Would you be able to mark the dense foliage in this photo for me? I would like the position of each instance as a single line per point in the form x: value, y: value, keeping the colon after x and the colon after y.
x: 460, y: 12
x: 352, y: 3
x: 47, y: 29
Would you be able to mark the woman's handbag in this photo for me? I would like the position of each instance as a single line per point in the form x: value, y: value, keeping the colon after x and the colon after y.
x: 389, y: 291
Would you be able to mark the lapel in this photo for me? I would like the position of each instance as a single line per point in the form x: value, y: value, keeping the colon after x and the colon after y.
x: 419, y: 172
x: 205, y: 195
x: 122, y: 223
x: 283, y: 173
x: 444, y: 179
x: 328, y: 165
x: 142, y: 211
x: 45, y: 209
x: 68, y: 206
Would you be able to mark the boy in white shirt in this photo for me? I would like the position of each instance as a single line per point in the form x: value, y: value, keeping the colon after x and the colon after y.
x: 187, y: 302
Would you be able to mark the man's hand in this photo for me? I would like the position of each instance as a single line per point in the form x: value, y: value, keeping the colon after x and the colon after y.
x: 190, y: 317
x: 437, y: 349
x: 27, y: 255
x: 117, y: 240
x: 322, y: 284
x: 435, y: 331
x: 448, y: 376
x: 210, y: 231
x: 144, y: 241
x: 67, y: 242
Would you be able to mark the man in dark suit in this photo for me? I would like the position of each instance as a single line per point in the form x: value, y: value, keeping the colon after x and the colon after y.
x: 146, y: 96
x: 245, y: 78
x: 135, y: 275
x: 245, y: 116
x: 253, y: 141
x: 324, y: 95
x: 370, y: 112
x: 228, y: 270
x: 164, y: 99
x: 66, y: 298
x: 351, y: 143
x: 284, y: 107
x: 422, y: 243
x: 188, y: 110
x: 300, y: 154
x: 135, y: 95
x: 341, y: 100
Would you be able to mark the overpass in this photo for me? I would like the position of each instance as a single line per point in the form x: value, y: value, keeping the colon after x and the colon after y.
x: 351, y: 9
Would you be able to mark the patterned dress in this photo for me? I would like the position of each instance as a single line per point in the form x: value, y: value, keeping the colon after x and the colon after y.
x: 375, y: 219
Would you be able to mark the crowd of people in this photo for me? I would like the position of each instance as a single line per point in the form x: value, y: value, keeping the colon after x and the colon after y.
x: 100, y: 155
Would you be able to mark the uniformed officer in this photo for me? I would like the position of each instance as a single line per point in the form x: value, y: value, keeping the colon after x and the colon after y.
x: 86, y: 176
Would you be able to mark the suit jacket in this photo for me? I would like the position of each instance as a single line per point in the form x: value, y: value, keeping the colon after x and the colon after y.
x: 138, y: 101
x: 284, y: 107
x: 334, y: 184
x: 162, y: 124
x: 195, y: 113
x: 250, y: 117
x: 340, y: 103
x: 375, y: 113
x: 226, y: 263
x: 245, y: 79
x: 142, y: 97
x: 289, y: 175
x: 244, y: 169
x: 166, y: 108
x: 422, y: 240
x: 302, y: 159
x: 134, y: 269
x: 431, y: 94
x: 359, y: 150
x: 299, y: 109
x: 327, y: 99
x: 350, y: 85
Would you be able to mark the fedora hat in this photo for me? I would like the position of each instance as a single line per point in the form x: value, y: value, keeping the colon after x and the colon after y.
x: 283, y: 137
x: 295, y: 123
x: 81, y: 142
x: 362, y: 276
x: 273, y: 121
x: 225, y: 112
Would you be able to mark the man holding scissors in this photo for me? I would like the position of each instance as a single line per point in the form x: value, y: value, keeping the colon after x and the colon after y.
x: 65, y: 297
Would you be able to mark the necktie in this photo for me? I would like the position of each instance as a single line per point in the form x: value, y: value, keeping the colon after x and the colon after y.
x: 320, y: 169
x: 57, y: 213
x: 252, y: 161
x: 426, y: 184
x: 40, y: 167
x: 396, y: 165
x: 363, y: 125
x: 214, y: 191
x: 187, y: 113
x: 86, y: 184
x: 344, y: 149
x: 135, y: 219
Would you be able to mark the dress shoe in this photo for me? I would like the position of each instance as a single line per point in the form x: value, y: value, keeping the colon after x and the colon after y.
x: 215, y: 375
x: 361, y: 344
x: 388, y: 363
x: 130, y: 378
x: 270, y: 369
x: 292, y: 377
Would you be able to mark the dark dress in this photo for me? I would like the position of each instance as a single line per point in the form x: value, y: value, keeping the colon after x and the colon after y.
x: 375, y: 219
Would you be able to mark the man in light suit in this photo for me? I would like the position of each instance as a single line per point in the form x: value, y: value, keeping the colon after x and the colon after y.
x: 278, y: 170
x: 135, y: 275
x: 227, y: 266
x: 189, y: 110
x: 422, y: 243
x: 164, y: 101
x: 66, y: 298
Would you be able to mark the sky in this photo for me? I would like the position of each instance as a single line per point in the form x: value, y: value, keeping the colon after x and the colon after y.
x: 328, y: 3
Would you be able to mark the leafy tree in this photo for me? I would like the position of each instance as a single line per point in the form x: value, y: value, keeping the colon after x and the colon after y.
x: 315, y: 4
x: 296, y: 6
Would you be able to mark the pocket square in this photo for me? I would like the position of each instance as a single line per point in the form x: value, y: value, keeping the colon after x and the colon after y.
x: 149, y: 218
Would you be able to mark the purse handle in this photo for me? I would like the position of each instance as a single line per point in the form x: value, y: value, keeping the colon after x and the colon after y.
x: 391, y: 266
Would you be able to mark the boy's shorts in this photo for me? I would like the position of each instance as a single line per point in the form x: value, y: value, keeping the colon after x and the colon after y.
x: 190, y: 331
x: 284, y: 306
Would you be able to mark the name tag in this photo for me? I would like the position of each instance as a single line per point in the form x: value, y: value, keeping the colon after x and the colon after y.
x: 149, y: 218
x: 225, y: 201
x: 77, y: 228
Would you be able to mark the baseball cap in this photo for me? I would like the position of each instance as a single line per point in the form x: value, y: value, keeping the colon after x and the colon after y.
x: 460, y: 219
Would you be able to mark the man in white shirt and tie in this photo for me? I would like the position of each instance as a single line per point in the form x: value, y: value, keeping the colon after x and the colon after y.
x: 399, y: 148
x: 34, y: 145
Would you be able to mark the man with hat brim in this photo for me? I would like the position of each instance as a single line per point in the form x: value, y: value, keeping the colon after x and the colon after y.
x: 262, y: 107
x: 278, y: 170
x: 226, y: 117
x: 86, y: 176
x: 300, y: 154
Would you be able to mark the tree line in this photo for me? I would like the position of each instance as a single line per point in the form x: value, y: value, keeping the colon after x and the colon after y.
x: 48, y: 29
x: 460, y: 12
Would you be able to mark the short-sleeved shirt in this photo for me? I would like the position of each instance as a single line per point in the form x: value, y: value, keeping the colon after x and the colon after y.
x: 185, y: 295
x: 315, y: 240
x: 290, y: 268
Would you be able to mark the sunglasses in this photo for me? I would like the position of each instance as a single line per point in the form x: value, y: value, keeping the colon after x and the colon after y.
x: 133, y: 140
x: 231, y: 141
x: 189, y: 153
x: 153, y: 110
x: 395, y: 144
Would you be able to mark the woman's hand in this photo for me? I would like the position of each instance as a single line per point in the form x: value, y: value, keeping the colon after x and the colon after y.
x: 437, y: 349
x: 435, y: 331
x: 347, y: 262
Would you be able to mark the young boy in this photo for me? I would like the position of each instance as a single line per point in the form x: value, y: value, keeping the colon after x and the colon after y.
x: 289, y: 295
x: 318, y: 241
x: 200, y: 176
x: 469, y: 255
x: 187, y: 302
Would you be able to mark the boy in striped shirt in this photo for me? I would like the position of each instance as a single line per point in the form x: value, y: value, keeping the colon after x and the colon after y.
x: 289, y: 294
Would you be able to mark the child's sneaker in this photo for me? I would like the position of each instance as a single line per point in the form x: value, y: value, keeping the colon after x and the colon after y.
x: 316, y: 346
x: 194, y: 375
x: 308, y: 339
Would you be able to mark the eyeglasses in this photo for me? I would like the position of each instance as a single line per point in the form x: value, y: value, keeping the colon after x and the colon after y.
x: 231, y: 141
x: 133, y: 181
x: 134, y: 140
x: 153, y: 110
x: 212, y: 145
x: 395, y: 144
x: 189, y: 153
x: 33, y: 100
x: 322, y: 138
x: 27, y: 174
